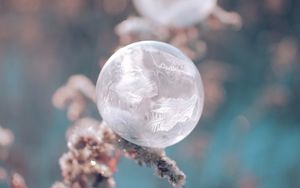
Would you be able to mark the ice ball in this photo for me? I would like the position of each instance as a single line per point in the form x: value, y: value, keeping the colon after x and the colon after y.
x: 177, y: 13
x: 150, y: 94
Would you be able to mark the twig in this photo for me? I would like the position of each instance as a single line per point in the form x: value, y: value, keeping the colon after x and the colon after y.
x: 228, y: 18
x: 73, y: 95
x: 17, y: 181
x: 155, y: 158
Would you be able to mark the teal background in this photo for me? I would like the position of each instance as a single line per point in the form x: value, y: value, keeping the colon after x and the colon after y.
x: 245, y: 143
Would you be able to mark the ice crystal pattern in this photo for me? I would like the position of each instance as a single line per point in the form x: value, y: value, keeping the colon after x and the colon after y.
x: 150, y: 93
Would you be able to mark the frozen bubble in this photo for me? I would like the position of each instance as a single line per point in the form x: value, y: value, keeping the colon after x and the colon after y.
x: 177, y: 13
x: 150, y: 94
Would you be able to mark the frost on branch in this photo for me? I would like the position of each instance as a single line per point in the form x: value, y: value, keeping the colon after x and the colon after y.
x: 73, y: 95
x: 6, y: 140
x: 139, y: 28
x: 155, y: 158
x: 91, y: 159
x: 172, y: 26
x: 94, y: 149
x: 15, y: 180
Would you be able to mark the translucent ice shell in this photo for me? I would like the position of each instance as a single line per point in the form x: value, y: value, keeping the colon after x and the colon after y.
x: 176, y: 13
x: 150, y: 94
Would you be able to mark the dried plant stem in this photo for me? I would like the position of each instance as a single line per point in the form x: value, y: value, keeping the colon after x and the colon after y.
x: 73, y: 95
x: 15, y: 180
x: 155, y: 158
x: 228, y: 18
x: 94, y: 149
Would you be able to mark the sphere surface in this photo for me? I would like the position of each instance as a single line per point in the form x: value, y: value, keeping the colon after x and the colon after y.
x: 150, y: 94
x: 177, y: 13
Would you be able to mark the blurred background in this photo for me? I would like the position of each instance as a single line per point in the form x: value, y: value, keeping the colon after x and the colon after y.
x: 249, y: 135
